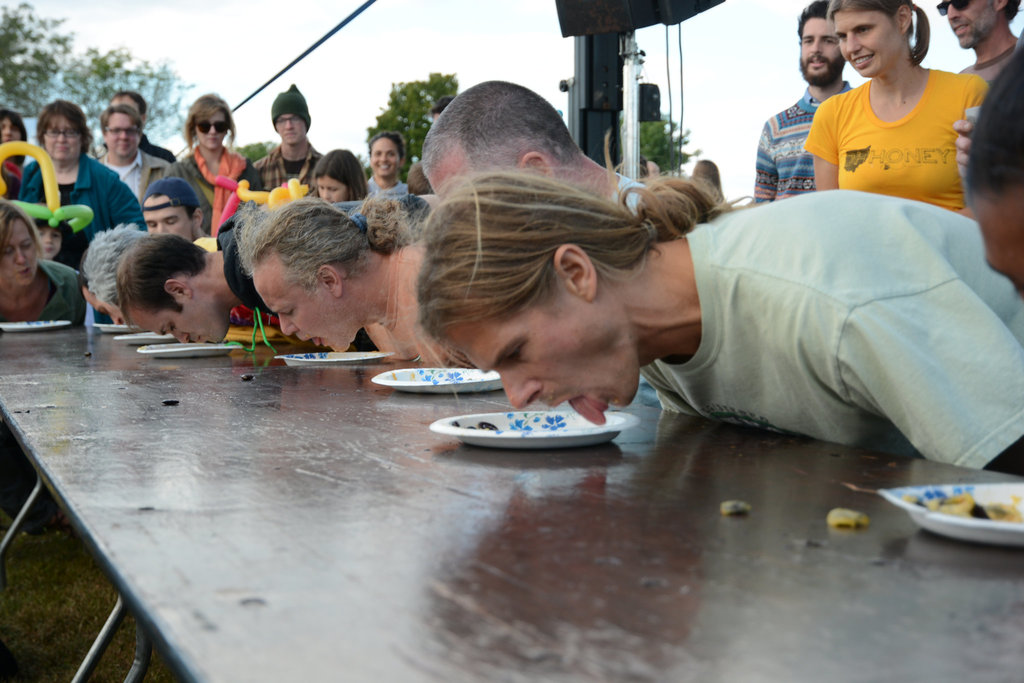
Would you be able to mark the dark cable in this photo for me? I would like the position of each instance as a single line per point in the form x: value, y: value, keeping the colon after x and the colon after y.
x: 682, y: 94
x: 668, y: 80
x: 314, y: 46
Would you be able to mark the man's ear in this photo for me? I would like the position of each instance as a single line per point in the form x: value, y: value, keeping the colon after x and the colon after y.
x: 180, y: 290
x: 197, y: 221
x: 536, y: 162
x: 332, y: 279
x: 576, y: 271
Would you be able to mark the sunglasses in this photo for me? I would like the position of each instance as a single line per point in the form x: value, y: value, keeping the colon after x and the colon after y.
x: 219, y: 126
x: 958, y: 5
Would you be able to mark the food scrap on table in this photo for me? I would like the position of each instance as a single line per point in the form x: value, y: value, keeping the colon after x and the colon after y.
x: 733, y: 508
x: 844, y: 518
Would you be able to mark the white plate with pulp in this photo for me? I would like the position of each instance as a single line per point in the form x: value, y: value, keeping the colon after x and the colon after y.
x: 915, y: 499
x: 439, y: 380
x: 144, y: 338
x: 199, y: 350
x: 333, y: 357
x: 533, y: 429
x: 34, y: 325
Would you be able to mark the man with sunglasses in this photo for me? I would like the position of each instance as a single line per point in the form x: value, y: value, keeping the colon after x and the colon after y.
x: 984, y: 26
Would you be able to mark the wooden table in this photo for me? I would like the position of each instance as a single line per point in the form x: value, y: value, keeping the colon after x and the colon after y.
x: 305, y: 525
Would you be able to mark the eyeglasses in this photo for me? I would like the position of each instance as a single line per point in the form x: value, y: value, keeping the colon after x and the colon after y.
x: 285, y: 119
x: 53, y: 134
x: 958, y: 5
x: 132, y: 132
x: 219, y: 126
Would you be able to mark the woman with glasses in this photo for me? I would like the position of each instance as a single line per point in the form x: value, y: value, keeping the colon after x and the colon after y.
x: 894, y: 134
x: 208, y: 125
x: 63, y: 132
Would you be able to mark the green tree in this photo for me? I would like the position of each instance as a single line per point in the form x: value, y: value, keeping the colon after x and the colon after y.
x: 408, y: 112
x: 92, y: 79
x: 255, y: 151
x: 662, y: 143
x: 32, y: 52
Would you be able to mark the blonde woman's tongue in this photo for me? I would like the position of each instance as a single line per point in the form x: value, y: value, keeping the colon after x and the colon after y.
x: 590, y: 408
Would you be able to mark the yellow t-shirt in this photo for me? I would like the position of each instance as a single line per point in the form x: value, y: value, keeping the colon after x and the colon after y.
x: 914, y: 157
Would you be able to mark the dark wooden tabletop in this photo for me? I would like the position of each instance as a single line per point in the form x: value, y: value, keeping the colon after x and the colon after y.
x: 305, y: 525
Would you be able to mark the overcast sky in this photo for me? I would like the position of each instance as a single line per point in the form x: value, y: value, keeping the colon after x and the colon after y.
x: 739, y: 59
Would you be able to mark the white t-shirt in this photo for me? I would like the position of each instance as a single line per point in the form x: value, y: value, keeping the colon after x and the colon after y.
x: 131, y: 174
x: 855, y: 318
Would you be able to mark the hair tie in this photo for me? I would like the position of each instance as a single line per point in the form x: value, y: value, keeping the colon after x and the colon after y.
x: 360, y: 221
x: 652, y: 231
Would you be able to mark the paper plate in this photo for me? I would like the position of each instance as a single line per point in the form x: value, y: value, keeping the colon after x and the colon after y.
x: 963, y: 528
x: 533, y: 429
x: 145, y: 338
x: 333, y: 357
x: 111, y: 328
x: 439, y: 380
x: 187, y: 350
x: 34, y: 325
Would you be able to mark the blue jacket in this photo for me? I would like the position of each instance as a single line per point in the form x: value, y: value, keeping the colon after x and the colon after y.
x: 99, y: 188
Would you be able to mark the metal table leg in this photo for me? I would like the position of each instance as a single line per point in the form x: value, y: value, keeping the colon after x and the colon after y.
x: 99, y: 646
x: 12, y: 532
x: 143, y: 650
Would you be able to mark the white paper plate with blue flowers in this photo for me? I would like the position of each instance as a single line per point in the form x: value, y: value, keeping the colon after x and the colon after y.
x: 141, y: 338
x: 914, y: 499
x: 439, y: 380
x: 193, y: 350
x: 114, y: 328
x: 533, y: 429
x: 34, y: 325
x: 333, y: 357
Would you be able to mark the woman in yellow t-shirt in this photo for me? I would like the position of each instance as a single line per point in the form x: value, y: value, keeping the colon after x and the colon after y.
x: 894, y: 134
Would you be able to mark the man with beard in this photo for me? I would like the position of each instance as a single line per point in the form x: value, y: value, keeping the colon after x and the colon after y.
x: 983, y: 26
x: 784, y: 169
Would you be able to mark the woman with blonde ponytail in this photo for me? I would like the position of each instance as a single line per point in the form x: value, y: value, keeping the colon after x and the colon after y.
x: 803, y: 316
x: 894, y: 134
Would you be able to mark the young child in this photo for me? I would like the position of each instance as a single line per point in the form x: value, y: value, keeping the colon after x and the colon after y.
x: 339, y: 177
x: 50, y: 238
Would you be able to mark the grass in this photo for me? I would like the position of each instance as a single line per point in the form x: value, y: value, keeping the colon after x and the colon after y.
x: 55, y: 603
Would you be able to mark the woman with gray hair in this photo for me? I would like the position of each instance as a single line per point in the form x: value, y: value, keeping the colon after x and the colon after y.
x: 327, y: 273
x: 97, y: 274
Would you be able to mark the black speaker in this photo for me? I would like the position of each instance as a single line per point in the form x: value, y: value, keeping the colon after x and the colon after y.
x: 674, y: 11
x: 650, y: 102
x: 591, y: 17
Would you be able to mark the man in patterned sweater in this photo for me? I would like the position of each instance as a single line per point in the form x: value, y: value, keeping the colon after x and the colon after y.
x: 784, y: 169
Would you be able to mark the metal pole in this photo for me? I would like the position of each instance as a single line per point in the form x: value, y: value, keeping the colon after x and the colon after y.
x: 12, y: 531
x: 99, y: 646
x: 631, y: 62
